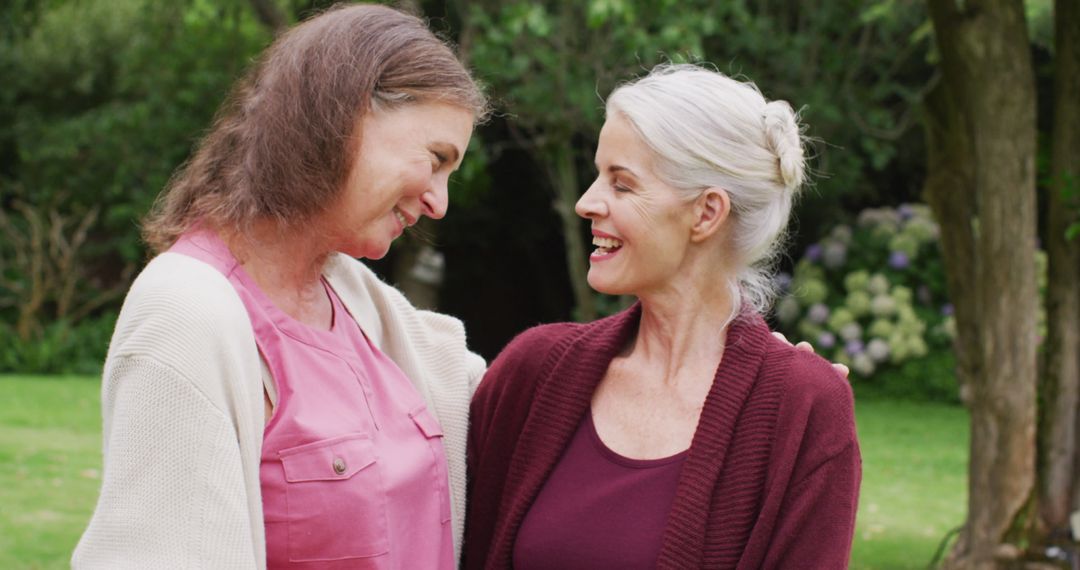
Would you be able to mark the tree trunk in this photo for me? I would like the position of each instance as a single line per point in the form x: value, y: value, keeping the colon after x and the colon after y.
x: 1060, y: 389
x: 563, y: 174
x: 950, y: 191
x: 988, y: 73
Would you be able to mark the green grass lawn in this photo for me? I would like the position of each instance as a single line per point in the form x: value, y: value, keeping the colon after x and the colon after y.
x: 914, y: 461
x: 914, y: 487
x: 50, y: 449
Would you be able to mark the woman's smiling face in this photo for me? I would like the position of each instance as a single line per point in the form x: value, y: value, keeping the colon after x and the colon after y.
x: 401, y: 172
x: 640, y: 225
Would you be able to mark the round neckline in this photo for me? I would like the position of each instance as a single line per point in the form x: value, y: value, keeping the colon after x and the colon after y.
x: 622, y: 460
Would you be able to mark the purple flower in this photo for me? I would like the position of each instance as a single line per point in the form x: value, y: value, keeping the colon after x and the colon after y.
x: 905, y: 211
x: 813, y: 252
x: 826, y: 340
x: 854, y: 347
x: 782, y: 281
x: 898, y: 260
x: 947, y: 309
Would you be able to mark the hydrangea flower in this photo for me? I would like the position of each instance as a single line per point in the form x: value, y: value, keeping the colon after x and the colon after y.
x: 882, y: 328
x: 878, y: 284
x: 818, y: 313
x: 857, y: 280
x: 854, y: 346
x: 813, y: 252
x: 842, y: 234
x: 898, y: 260
x: 858, y: 302
x: 826, y: 340
x: 782, y: 281
x: 948, y: 310
x: 787, y: 310
x: 834, y: 254
x: 841, y: 318
x: 812, y: 291
x: 883, y: 305
x: 878, y: 350
x: 851, y: 331
x: 863, y: 365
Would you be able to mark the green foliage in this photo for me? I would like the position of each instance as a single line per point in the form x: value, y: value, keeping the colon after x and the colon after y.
x: 104, y: 101
x: 59, y: 347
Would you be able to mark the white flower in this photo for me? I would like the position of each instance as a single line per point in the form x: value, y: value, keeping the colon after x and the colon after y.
x: 787, y: 310
x: 878, y: 350
x: 851, y: 331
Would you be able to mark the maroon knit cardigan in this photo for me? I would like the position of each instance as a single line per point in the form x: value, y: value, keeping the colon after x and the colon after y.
x: 771, y: 479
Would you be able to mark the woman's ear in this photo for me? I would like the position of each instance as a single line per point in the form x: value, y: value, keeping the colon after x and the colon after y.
x: 711, y: 210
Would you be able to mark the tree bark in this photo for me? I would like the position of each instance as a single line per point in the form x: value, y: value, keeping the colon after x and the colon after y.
x: 564, y: 178
x: 1060, y: 388
x: 987, y: 70
x: 950, y: 191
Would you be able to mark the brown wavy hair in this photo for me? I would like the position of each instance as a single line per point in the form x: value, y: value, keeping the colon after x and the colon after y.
x: 281, y: 145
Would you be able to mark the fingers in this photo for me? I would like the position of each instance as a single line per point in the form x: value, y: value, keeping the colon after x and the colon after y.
x: 781, y: 336
x: 805, y: 347
x: 843, y: 370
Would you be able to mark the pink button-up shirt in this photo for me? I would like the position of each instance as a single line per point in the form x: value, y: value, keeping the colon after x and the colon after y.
x: 353, y: 468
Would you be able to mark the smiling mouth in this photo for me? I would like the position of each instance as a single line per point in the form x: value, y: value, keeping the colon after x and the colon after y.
x: 401, y: 218
x: 605, y: 245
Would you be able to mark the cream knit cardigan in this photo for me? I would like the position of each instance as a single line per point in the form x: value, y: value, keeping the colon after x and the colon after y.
x: 183, y: 413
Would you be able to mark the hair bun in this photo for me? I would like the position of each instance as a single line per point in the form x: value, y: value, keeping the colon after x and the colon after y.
x: 783, y: 137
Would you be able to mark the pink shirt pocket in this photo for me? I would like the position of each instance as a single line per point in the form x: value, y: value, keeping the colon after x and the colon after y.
x: 431, y: 429
x: 335, y: 484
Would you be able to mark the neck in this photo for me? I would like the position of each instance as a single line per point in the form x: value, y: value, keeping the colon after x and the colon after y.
x: 686, y: 322
x: 287, y: 266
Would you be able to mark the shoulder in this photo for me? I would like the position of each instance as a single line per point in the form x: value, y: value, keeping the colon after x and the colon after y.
x: 185, y: 315
x: 525, y: 358
x: 189, y: 296
x: 372, y: 301
x: 816, y: 402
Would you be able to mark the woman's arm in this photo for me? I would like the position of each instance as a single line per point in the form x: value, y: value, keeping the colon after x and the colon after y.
x: 182, y: 412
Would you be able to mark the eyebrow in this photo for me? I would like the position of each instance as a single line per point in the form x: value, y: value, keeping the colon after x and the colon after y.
x: 618, y: 168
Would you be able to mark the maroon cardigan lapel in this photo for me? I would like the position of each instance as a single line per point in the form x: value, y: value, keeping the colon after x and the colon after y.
x: 568, y: 378
x: 684, y: 535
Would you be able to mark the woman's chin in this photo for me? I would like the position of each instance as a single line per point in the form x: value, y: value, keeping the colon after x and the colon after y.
x: 605, y: 286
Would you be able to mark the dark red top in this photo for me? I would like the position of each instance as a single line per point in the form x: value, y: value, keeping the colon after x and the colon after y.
x: 598, y: 509
x: 771, y: 479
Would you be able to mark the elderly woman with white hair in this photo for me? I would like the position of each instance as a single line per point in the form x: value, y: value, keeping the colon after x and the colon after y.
x: 678, y: 433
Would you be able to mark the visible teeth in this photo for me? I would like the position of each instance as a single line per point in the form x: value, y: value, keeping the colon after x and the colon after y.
x: 607, y: 243
x: 401, y: 218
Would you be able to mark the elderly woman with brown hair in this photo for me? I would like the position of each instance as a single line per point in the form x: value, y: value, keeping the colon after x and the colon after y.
x: 678, y: 433
x: 267, y: 401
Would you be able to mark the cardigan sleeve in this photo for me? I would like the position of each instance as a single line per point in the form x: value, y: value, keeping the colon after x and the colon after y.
x: 816, y: 520
x: 182, y: 417
x: 171, y: 493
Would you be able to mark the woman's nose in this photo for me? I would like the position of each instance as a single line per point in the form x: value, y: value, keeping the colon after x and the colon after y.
x: 590, y: 205
x: 435, y: 200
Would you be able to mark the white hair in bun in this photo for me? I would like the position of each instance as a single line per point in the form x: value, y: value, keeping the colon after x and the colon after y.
x: 709, y: 130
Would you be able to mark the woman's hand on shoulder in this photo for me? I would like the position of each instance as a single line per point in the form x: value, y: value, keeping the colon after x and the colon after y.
x: 807, y: 347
